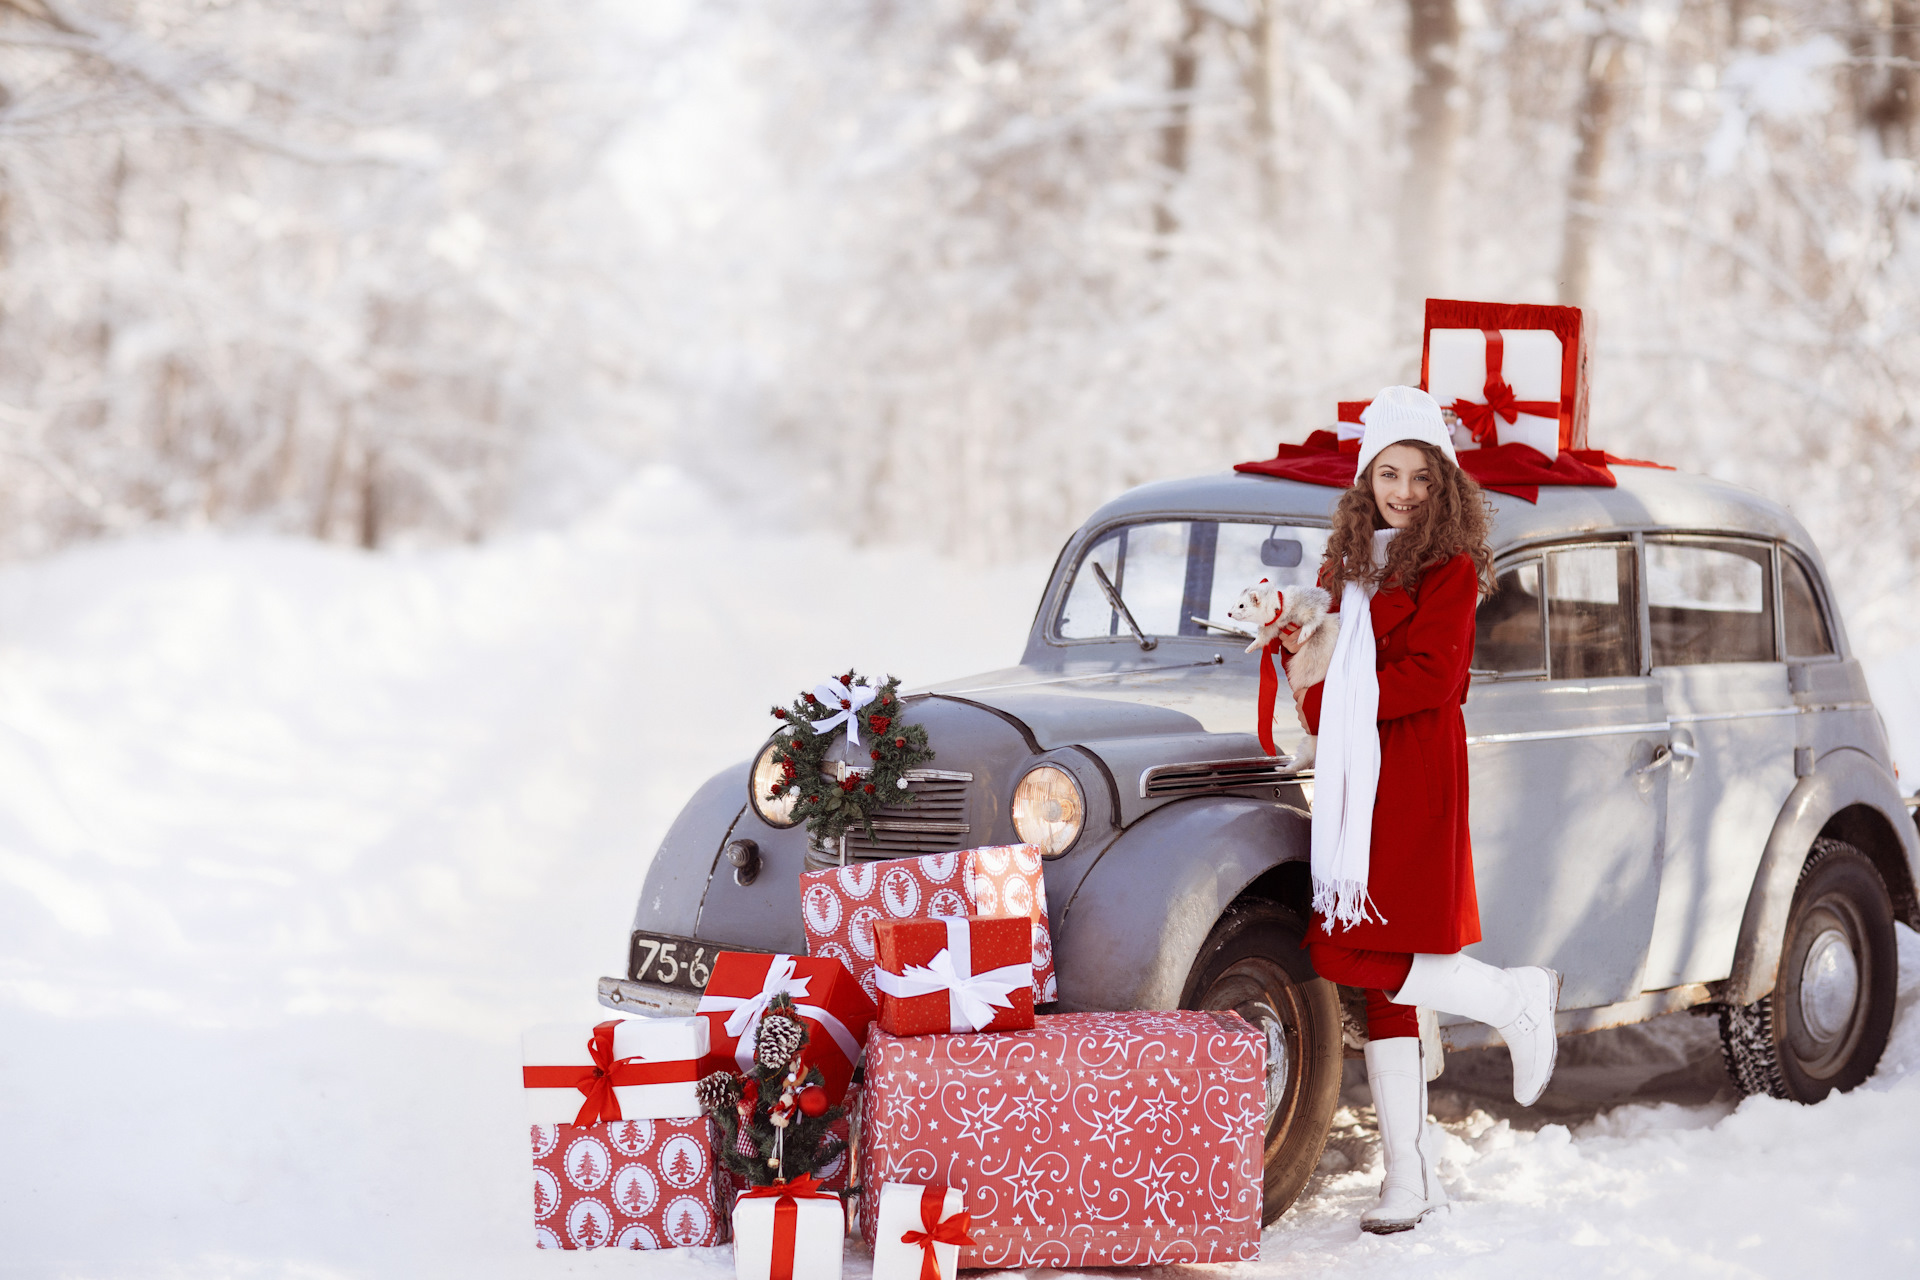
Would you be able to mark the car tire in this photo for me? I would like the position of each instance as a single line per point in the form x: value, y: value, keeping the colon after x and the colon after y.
x: 1826, y: 1022
x: 1252, y: 964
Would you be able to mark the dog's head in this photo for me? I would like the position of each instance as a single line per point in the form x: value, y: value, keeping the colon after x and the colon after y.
x: 1259, y: 605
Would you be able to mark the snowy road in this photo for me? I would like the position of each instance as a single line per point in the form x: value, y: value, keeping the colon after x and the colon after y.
x: 294, y: 840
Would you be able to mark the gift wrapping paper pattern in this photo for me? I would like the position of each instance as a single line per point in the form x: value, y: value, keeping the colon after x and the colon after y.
x: 625, y: 1184
x: 840, y: 906
x: 1094, y: 1139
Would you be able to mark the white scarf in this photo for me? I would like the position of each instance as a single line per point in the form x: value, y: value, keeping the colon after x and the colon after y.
x: 1346, y: 772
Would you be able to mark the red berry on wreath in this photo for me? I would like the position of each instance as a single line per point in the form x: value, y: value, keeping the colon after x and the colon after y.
x: 899, y: 742
x: 874, y: 753
x: 879, y: 723
x: 813, y: 1101
x: 868, y: 788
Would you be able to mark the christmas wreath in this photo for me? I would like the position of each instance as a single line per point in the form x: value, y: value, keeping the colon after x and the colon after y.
x: 774, y: 1122
x: 835, y: 796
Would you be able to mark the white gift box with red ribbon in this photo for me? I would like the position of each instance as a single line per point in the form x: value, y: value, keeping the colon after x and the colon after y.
x: 788, y: 1232
x: 1503, y: 384
x: 919, y: 1232
x: 621, y: 1069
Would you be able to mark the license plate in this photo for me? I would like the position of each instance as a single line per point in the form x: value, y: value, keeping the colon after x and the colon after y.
x: 667, y: 961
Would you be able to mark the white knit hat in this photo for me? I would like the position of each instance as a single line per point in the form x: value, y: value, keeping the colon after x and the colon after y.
x: 1402, y: 413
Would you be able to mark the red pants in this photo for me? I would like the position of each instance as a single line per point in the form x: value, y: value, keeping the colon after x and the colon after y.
x: 1378, y: 972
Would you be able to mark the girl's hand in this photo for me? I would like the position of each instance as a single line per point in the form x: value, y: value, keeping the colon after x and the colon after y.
x: 1290, y: 638
x: 1300, y: 708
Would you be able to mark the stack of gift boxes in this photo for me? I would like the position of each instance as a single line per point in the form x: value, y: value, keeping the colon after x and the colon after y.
x: 987, y: 1135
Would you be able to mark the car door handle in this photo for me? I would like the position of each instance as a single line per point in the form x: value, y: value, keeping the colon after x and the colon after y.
x: 1662, y: 757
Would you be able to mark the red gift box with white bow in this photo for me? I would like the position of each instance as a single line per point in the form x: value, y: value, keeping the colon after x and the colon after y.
x: 836, y: 1011
x: 954, y: 974
x: 841, y: 905
x: 625, y: 1184
x: 1091, y: 1140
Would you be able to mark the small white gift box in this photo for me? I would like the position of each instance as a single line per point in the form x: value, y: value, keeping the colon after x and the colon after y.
x: 788, y: 1232
x: 1523, y: 367
x: 919, y: 1233
x: 622, y: 1069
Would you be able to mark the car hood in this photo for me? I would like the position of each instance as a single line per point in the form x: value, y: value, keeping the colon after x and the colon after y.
x: 1132, y: 719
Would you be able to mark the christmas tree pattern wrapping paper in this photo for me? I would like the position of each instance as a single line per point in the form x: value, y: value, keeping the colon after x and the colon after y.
x: 954, y: 974
x: 841, y: 905
x: 625, y: 1184
x: 1092, y: 1140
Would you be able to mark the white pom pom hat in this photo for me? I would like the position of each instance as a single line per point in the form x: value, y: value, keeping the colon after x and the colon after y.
x: 1398, y: 414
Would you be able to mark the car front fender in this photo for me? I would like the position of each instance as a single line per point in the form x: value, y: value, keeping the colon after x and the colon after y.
x: 1128, y: 937
x: 1846, y: 779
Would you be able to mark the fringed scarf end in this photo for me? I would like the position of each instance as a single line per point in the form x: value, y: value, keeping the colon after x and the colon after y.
x: 1342, y: 904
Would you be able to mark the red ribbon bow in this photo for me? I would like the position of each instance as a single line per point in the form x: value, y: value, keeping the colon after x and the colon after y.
x: 607, y: 1073
x: 786, y: 1217
x: 1478, y: 418
x: 951, y: 1230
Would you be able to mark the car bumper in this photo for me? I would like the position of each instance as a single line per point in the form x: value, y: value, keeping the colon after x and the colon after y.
x: 627, y: 996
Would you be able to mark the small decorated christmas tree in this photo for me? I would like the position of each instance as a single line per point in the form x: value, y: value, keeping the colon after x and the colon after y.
x: 774, y: 1121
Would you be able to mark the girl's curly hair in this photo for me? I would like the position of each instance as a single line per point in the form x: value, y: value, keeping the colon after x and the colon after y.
x: 1454, y: 520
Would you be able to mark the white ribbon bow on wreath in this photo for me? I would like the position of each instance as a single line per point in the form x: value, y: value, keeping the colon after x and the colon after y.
x: 845, y: 702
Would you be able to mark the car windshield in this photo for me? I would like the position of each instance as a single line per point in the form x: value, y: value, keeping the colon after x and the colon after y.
x: 1171, y: 572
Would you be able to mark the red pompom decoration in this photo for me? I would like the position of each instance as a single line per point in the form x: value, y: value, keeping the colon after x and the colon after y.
x: 868, y: 788
x: 813, y: 1101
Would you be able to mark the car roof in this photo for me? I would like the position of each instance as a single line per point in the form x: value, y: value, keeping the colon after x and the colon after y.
x: 1647, y: 498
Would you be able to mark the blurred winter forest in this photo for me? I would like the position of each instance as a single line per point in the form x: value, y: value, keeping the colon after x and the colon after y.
x: 947, y: 272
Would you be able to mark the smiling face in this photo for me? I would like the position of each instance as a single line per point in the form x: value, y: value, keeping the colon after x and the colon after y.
x: 1402, y: 482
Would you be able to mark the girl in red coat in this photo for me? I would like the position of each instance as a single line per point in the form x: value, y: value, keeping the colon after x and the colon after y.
x: 1393, y: 891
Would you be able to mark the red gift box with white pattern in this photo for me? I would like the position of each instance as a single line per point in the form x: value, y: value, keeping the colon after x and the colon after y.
x: 840, y: 906
x: 976, y: 947
x: 626, y: 1184
x: 1092, y: 1140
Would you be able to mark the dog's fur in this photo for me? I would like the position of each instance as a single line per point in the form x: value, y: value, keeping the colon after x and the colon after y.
x: 1301, y: 613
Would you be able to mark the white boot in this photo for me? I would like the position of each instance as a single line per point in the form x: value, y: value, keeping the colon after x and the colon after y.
x: 1411, y: 1189
x: 1519, y: 1003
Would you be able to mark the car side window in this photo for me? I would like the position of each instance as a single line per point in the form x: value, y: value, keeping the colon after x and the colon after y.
x: 1510, y: 628
x: 1709, y: 602
x: 1592, y: 624
x: 1807, y: 634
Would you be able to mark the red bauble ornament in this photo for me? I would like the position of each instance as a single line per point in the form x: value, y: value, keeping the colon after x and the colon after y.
x: 899, y: 742
x: 813, y: 1101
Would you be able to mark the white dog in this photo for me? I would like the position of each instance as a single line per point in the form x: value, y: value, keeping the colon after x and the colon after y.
x: 1301, y: 616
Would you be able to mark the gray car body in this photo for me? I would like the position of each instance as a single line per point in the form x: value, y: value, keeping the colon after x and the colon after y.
x: 1655, y: 881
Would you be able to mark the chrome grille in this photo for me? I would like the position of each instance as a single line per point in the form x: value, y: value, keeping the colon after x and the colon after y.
x: 1203, y: 777
x: 935, y: 822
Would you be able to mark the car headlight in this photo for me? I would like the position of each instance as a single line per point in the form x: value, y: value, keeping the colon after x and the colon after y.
x: 770, y: 781
x: 1048, y: 810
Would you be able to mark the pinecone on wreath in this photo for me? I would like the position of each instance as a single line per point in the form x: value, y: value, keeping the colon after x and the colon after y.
x: 774, y: 1121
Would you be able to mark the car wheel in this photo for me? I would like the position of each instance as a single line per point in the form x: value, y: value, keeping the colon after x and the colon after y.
x: 1827, y: 1021
x: 1252, y: 964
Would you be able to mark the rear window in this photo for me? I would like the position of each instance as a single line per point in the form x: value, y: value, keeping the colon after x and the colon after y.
x: 1169, y: 572
x: 1709, y: 602
x: 1807, y: 633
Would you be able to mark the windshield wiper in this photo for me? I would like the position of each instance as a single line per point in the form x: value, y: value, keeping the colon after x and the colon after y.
x: 1221, y: 627
x: 1120, y: 607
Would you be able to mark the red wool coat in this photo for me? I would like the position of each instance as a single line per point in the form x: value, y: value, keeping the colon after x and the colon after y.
x: 1421, y: 871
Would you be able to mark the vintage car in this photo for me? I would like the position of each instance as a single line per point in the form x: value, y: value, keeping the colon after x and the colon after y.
x: 1682, y: 795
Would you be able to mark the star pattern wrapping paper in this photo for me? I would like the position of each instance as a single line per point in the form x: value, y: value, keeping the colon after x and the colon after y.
x: 1092, y: 1140
x: 840, y: 906
x: 625, y: 1184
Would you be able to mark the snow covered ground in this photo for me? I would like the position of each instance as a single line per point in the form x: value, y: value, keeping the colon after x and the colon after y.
x: 293, y: 840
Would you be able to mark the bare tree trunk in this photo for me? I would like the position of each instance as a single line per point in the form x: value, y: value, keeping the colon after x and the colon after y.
x: 370, y: 501
x: 1423, y: 234
x: 1183, y: 66
x: 1891, y: 103
x: 1267, y: 85
x: 1593, y: 125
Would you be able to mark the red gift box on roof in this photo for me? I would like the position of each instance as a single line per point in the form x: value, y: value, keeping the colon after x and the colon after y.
x: 1512, y: 372
x: 836, y: 1011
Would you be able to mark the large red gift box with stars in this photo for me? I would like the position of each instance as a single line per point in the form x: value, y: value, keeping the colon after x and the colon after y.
x: 1092, y: 1140
x: 626, y: 1184
x: 840, y: 906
